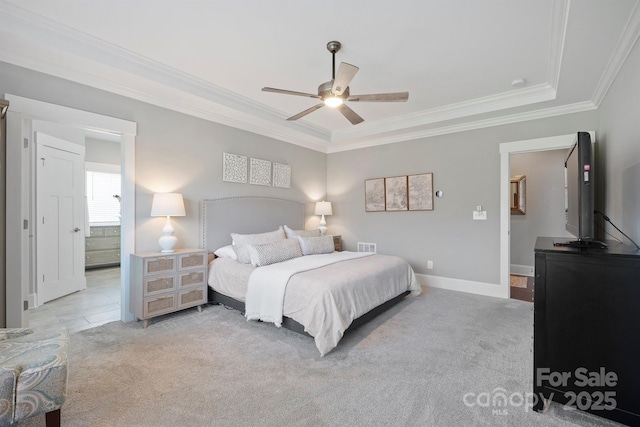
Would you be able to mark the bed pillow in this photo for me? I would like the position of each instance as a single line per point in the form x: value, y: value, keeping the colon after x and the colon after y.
x: 241, y: 241
x: 270, y: 253
x: 292, y: 234
x: 316, y: 245
x: 226, y: 252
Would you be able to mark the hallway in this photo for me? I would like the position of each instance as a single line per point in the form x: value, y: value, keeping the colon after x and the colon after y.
x: 95, y: 306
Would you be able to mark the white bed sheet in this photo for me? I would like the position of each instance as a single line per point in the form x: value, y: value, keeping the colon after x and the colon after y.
x: 319, y: 300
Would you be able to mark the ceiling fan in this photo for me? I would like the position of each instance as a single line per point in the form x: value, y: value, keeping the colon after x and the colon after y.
x: 334, y: 92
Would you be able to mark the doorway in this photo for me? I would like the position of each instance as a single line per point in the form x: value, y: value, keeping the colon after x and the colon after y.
x: 99, y: 299
x: 20, y: 224
x: 506, y: 150
x: 539, y: 211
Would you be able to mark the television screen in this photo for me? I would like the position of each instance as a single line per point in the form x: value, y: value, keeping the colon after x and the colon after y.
x: 579, y: 188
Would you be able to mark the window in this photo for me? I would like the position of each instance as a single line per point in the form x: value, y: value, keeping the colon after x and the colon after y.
x: 103, y: 193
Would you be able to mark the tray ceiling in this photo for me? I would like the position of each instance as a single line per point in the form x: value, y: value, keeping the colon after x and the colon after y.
x: 457, y: 59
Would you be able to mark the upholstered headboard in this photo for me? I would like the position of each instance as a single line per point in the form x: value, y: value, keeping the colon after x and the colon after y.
x: 246, y: 215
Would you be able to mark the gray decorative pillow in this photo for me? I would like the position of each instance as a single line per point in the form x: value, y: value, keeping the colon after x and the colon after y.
x: 270, y: 253
x: 316, y: 245
x: 292, y: 234
x: 241, y: 241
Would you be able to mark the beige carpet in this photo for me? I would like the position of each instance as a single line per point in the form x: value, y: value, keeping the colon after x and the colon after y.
x: 410, y: 366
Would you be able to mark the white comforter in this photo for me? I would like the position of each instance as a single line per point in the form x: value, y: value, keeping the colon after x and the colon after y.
x: 325, y: 299
x: 267, y: 285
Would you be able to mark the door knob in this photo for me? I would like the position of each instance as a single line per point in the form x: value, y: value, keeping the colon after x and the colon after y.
x: 76, y: 229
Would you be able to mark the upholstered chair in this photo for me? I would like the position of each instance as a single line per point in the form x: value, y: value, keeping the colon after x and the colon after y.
x: 33, y: 374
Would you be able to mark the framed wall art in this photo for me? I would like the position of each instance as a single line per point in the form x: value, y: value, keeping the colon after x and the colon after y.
x: 234, y: 168
x: 281, y: 175
x: 420, y: 192
x: 374, y: 195
x: 396, y: 193
x: 260, y: 172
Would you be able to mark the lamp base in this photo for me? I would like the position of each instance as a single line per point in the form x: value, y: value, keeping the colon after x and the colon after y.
x: 323, y: 230
x: 167, y: 243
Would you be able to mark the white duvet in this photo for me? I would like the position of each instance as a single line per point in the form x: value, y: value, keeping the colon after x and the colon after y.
x: 267, y: 285
x: 325, y: 293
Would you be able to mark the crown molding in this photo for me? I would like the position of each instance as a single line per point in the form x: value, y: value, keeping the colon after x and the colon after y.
x: 35, y: 28
x: 487, y: 104
x: 625, y: 44
x: 467, y: 126
x: 174, y: 103
x: 559, y: 22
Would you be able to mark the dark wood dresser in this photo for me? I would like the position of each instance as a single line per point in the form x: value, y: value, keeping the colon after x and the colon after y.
x: 586, y: 339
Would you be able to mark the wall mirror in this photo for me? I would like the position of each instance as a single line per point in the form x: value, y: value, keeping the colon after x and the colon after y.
x: 518, y: 195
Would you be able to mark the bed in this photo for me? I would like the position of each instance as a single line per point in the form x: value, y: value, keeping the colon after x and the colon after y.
x: 323, y: 295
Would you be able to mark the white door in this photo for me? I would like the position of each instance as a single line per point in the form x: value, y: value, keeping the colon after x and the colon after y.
x: 60, y: 216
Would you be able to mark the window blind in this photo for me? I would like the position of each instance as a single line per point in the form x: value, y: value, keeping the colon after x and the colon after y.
x: 101, y: 203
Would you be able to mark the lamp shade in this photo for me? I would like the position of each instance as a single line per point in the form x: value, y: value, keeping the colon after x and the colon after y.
x: 323, y: 208
x: 167, y: 204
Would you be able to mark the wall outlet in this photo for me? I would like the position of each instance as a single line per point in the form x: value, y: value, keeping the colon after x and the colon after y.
x: 430, y: 265
x: 479, y: 215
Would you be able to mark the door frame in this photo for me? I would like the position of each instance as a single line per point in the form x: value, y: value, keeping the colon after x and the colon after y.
x: 506, y: 149
x: 20, y: 231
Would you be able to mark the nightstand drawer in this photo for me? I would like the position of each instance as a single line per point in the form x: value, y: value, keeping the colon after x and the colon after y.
x: 96, y: 231
x: 158, y: 284
x: 191, y: 297
x: 159, y: 265
x: 191, y: 261
x: 192, y: 278
x: 159, y: 305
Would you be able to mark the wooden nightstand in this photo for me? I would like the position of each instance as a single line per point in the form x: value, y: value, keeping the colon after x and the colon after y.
x: 337, y: 243
x: 162, y: 283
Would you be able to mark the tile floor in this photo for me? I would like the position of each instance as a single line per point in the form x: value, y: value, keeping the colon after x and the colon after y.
x: 95, y: 306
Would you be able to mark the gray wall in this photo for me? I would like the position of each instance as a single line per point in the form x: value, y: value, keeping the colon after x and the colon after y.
x: 544, y: 202
x: 177, y: 152
x: 619, y: 151
x: 466, y: 168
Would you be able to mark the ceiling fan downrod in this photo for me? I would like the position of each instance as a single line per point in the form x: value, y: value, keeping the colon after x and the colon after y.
x: 333, y: 47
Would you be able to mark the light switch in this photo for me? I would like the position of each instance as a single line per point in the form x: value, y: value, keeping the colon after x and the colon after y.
x: 479, y: 215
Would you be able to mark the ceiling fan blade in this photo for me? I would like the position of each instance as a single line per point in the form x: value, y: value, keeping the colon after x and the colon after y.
x: 351, y: 115
x: 380, y: 97
x: 344, y: 77
x: 289, y: 92
x: 305, y: 112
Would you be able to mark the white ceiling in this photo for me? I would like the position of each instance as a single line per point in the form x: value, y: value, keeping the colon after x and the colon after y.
x: 456, y: 58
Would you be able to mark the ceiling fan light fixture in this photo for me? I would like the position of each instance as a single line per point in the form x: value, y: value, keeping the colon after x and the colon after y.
x: 335, y: 92
x: 333, y: 102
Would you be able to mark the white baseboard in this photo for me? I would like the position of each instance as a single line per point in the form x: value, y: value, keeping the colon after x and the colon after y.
x: 522, y: 270
x: 32, y: 300
x: 460, y: 285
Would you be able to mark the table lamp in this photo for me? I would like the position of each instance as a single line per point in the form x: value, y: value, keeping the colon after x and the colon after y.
x: 167, y: 204
x: 323, y: 208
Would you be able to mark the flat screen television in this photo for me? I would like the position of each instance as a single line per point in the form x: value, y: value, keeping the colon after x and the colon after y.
x: 579, y: 197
